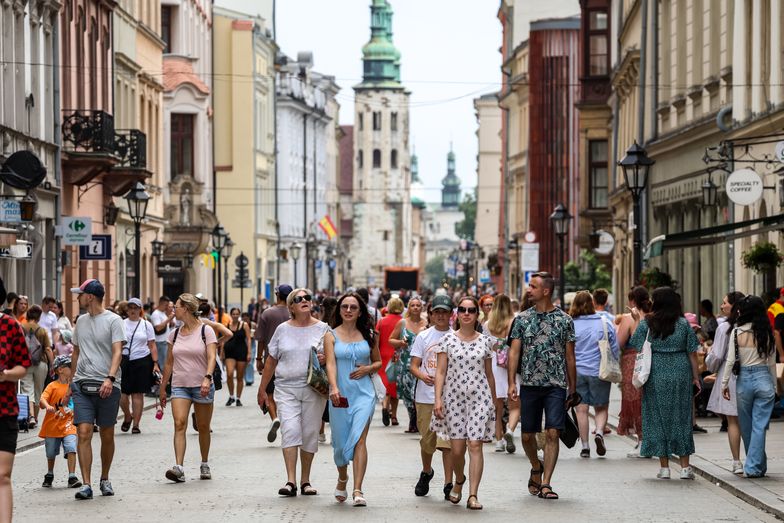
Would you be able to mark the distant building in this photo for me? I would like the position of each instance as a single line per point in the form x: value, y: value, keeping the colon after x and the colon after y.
x: 440, y: 219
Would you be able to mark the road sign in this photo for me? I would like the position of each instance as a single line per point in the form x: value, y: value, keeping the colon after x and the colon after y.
x: 10, y: 211
x: 241, y: 261
x: 246, y: 284
x: 529, y: 257
x: 332, y: 264
x: 318, y: 264
x: 527, y: 276
x: 77, y: 230
x: 100, y: 248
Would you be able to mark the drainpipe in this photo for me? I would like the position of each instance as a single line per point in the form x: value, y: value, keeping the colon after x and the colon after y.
x: 58, y: 140
x: 644, y: 197
x: 655, y: 66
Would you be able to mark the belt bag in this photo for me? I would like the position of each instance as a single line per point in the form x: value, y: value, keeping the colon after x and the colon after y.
x: 90, y: 387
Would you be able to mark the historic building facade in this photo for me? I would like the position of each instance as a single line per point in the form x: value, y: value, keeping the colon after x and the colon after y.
x: 489, y: 172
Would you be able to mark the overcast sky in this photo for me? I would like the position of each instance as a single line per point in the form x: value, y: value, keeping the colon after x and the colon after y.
x: 450, y: 55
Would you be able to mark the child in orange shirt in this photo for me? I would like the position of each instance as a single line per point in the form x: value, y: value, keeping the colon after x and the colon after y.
x: 58, y: 428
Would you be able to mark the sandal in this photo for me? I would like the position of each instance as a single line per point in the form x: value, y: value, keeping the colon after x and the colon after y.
x: 289, y: 490
x: 394, y: 421
x: 531, y: 483
x: 473, y: 505
x: 136, y: 430
x: 455, y: 497
x: 447, y: 490
x: 359, y: 501
x: 307, y: 489
x: 547, y: 495
x: 341, y: 495
x: 126, y: 426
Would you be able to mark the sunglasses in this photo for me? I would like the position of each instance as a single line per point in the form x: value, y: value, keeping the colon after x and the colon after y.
x: 469, y: 310
x: 300, y: 299
x: 349, y: 307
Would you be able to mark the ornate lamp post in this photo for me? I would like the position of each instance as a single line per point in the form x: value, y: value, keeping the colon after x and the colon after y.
x: 226, y: 255
x: 218, y: 242
x: 560, y: 220
x: 296, y: 250
x: 636, y: 165
x: 137, y: 199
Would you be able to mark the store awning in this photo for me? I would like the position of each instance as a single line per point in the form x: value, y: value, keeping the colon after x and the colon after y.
x: 713, y: 235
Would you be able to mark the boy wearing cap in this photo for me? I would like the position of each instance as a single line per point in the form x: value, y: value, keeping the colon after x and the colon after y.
x: 57, y: 428
x: 98, y: 340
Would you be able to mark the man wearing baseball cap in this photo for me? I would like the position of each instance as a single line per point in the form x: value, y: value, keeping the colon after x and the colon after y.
x: 98, y: 340
x: 265, y: 328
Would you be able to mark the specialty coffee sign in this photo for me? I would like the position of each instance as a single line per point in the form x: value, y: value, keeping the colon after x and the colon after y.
x: 744, y: 187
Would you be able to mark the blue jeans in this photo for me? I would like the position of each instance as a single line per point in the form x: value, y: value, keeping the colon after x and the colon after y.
x: 163, y: 351
x: 756, y: 394
x: 250, y: 370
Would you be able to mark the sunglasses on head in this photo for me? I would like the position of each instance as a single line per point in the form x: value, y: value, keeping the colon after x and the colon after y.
x: 469, y: 310
x: 300, y: 299
x: 349, y: 307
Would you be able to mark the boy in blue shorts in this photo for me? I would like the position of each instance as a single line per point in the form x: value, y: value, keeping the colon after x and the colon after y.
x: 57, y: 428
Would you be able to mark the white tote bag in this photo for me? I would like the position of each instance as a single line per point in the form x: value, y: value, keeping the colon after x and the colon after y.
x: 609, y: 367
x: 642, y: 365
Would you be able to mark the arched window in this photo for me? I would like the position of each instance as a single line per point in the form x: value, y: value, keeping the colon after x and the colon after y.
x: 393, y: 159
x: 376, y: 158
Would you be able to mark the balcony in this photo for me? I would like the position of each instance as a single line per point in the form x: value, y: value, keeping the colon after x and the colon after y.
x: 130, y: 149
x: 88, y: 145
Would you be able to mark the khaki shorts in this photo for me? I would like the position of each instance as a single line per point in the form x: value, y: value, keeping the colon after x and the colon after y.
x: 429, y: 442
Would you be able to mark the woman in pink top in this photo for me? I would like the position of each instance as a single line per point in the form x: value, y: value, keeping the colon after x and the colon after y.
x: 190, y: 362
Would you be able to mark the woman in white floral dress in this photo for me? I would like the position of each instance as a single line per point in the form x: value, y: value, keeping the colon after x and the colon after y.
x: 464, y: 409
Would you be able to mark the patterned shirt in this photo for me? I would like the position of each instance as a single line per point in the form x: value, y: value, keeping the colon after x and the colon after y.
x: 13, y: 352
x: 543, y: 338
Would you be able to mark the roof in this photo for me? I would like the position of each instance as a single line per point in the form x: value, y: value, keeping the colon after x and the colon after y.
x: 178, y: 70
x: 571, y: 22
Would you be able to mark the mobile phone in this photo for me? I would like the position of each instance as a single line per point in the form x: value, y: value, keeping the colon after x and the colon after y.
x: 342, y: 403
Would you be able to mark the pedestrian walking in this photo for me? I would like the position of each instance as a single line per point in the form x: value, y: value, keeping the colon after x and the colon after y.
x: 352, y: 355
x: 590, y: 329
x: 753, y: 361
x: 667, y: 394
x: 63, y: 323
x: 542, y: 351
x: 424, y: 362
x: 41, y: 356
x: 465, y: 397
x: 140, y: 361
x: 630, y: 418
x: 19, y: 310
x: 14, y: 361
x: 269, y: 321
x: 385, y: 326
x: 190, y: 363
x: 300, y: 407
x: 98, y: 340
x: 48, y: 320
x: 600, y: 299
x: 162, y: 319
x: 402, y: 338
x: 236, y: 353
x: 714, y: 362
x: 498, y: 326
x: 485, y: 306
x: 58, y: 429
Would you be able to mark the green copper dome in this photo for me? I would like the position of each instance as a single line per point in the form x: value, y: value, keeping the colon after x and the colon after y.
x: 450, y: 194
x: 380, y: 57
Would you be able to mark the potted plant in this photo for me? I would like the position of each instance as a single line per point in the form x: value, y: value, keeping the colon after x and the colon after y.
x: 762, y: 257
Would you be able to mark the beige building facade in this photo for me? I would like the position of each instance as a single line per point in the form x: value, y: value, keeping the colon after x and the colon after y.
x: 489, y: 172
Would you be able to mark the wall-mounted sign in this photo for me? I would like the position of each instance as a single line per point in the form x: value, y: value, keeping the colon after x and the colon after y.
x: 77, y: 230
x: 606, y: 243
x: 780, y: 152
x: 10, y: 211
x: 529, y: 257
x: 100, y: 248
x: 744, y: 187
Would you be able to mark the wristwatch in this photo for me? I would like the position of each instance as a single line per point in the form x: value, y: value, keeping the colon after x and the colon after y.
x: 111, y: 378
x: 208, y: 376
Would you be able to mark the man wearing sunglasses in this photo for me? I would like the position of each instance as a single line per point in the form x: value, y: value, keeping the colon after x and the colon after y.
x: 543, y: 346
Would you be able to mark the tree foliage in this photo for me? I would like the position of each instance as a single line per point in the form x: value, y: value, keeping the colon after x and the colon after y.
x: 465, y: 229
x: 588, y: 274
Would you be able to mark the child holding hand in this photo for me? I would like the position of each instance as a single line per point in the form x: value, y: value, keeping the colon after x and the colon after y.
x: 57, y: 428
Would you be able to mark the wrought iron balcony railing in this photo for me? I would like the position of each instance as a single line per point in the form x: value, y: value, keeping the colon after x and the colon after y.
x: 130, y: 147
x: 88, y: 131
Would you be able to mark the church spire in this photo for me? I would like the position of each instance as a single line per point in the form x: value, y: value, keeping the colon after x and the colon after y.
x: 450, y: 194
x: 380, y: 57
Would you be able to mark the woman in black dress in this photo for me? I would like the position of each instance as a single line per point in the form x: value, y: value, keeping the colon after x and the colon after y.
x: 236, y: 354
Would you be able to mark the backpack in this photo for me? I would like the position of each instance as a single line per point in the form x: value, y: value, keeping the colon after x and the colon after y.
x: 217, y: 375
x: 34, y: 346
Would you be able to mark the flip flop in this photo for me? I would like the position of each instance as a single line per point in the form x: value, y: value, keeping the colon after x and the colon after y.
x: 126, y: 426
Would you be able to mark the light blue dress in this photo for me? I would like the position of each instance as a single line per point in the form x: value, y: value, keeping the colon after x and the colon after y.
x: 348, y: 424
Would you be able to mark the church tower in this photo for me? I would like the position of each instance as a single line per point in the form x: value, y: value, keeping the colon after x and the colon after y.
x: 382, y: 175
x: 450, y: 193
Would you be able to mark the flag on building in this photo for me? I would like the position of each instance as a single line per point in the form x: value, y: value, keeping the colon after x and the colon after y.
x: 328, y: 227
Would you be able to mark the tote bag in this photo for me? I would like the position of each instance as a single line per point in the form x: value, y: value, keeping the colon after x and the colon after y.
x: 642, y: 365
x: 609, y: 367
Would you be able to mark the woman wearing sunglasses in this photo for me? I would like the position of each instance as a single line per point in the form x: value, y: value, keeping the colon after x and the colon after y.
x: 465, y: 396
x: 299, y: 406
x: 352, y: 356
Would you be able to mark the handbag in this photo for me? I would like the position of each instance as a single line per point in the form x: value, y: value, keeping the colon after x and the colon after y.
x: 393, y: 370
x: 378, y: 384
x: 609, y: 367
x: 317, y: 376
x: 642, y: 365
x: 571, y: 432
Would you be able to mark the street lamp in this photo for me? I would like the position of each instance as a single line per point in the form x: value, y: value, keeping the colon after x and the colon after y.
x: 560, y: 220
x: 226, y: 255
x: 137, y: 199
x: 296, y: 250
x: 157, y: 248
x: 636, y: 165
x: 218, y: 242
x: 709, y: 193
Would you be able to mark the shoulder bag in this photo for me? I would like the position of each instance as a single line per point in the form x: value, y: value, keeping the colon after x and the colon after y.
x: 609, y: 367
x: 317, y: 375
x: 642, y: 365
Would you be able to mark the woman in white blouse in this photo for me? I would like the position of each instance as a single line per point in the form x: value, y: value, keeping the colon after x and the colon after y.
x: 140, y: 360
x: 299, y: 406
x: 751, y: 345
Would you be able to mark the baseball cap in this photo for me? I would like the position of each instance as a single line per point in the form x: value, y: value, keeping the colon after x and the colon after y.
x: 200, y: 297
x: 63, y: 360
x: 91, y: 286
x: 283, y: 290
x: 135, y: 301
x: 441, y: 303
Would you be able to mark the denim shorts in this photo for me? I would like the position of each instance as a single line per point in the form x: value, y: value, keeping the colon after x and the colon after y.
x: 53, y: 446
x: 193, y: 394
x: 93, y: 409
x: 537, y: 400
x: 593, y: 391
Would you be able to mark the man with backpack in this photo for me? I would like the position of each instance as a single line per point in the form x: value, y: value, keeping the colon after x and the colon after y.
x: 41, y: 356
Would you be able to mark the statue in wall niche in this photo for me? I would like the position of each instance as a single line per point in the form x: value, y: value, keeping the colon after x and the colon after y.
x: 185, y: 206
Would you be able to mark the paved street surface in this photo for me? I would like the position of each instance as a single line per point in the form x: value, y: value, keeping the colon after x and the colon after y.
x: 247, y: 472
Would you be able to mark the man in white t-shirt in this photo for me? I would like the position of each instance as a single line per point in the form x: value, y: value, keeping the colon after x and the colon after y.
x: 162, y: 320
x: 48, y: 319
x: 423, y: 367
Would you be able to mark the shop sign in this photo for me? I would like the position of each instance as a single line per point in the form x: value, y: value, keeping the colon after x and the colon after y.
x: 10, y: 211
x: 606, y: 243
x: 744, y: 187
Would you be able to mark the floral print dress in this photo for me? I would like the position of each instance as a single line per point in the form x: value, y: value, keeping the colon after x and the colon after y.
x: 405, y: 380
x: 468, y: 401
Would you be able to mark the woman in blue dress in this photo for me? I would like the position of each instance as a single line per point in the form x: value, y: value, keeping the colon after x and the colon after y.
x: 352, y: 356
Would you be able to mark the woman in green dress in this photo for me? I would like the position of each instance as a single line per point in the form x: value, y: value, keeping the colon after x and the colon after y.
x: 667, y: 395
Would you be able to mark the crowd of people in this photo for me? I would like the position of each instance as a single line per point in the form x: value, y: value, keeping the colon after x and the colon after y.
x: 467, y: 370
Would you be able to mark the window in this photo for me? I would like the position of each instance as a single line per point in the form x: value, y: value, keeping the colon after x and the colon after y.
x: 361, y: 121
x: 598, y: 176
x: 393, y: 159
x: 166, y: 22
x: 377, y: 120
x: 360, y: 159
x: 393, y: 121
x: 181, y: 145
x: 598, y: 44
x: 376, y: 158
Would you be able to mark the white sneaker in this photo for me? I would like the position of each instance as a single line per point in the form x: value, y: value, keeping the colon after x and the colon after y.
x: 737, y: 467
x: 510, y: 445
x: 322, y: 438
x: 687, y: 473
x: 664, y: 473
x: 634, y: 454
x: 500, y: 446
